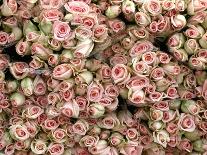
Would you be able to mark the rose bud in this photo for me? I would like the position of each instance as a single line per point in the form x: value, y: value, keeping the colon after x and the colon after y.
x: 58, y: 135
x: 161, y: 85
x: 96, y: 110
x: 178, y: 22
x: 142, y: 19
x: 17, y: 99
x: 62, y: 72
x: 117, y: 26
x: 100, y: 33
x: 80, y: 127
x: 116, y: 139
x: 70, y: 109
x: 202, y: 41
x: 113, y: 11
x: 23, y: 48
x: 161, y: 137
x: 185, y: 145
x: 83, y: 48
x: 55, y: 149
x: 196, y: 6
x: 169, y: 115
x: 191, y: 46
x: 38, y: 146
x: 22, y: 145
x: 54, y: 44
x: 4, y: 62
x: 136, y: 97
x: 156, y: 115
x: 4, y: 38
x: 88, y: 141
x: 153, y: 7
x: 77, y: 7
x: 186, y: 122
x: 156, y: 125
x: 172, y: 93
x: 40, y: 51
x: 190, y: 106
x: 131, y: 149
x: 9, y: 8
x: 99, y: 148
x: 39, y: 86
x: 49, y: 124
x: 33, y: 36
x: 36, y: 63
x: 120, y: 74
x: 132, y: 134
x: 9, y: 150
x: 84, y: 77
x: 177, y: 41
x: 27, y: 86
x: 53, y: 60
x: 11, y: 86
x: 196, y: 63
x: 18, y: 132
x: 128, y: 7
x: 180, y: 54
x: 82, y: 33
x: 66, y: 56
x: 194, y: 32
x: 19, y: 70
x: 141, y: 47
x: 172, y: 68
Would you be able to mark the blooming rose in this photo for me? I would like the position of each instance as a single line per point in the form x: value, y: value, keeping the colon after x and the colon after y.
x: 61, y: 30
x: 186, y: 122
x: 62, y: 72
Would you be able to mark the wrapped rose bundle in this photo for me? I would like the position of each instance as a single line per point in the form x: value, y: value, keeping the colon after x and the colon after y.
x: 106, y: 77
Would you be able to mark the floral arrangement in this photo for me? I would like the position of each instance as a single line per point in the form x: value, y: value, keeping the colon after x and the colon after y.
x: 103, y: 77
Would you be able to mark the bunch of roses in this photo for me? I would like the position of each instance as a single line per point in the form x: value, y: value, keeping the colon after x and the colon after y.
x: 95, y: 83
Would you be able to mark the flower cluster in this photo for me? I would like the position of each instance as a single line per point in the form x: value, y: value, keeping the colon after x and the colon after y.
x: 94, y: 77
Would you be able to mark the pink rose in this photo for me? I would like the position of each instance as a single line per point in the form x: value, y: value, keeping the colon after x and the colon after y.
x: 54, y: 44
x: 118, y: 59
x: 177, y: 40
x: 65, y: 85
x: 174, y: 141
x: 3, y: 38
x: 10, y: 149
x: 80, y: 127
x: 82, y: 102
x: 61, y: 30
x: 40, y: 51
x: 185, y: 144
x: 141, y: 47
x: 138, y: 33
x: 23, y: 48
x: 99, y: 148
x: 95, y: 92
x: 62, y: 72
x: 19, y: 69
x: 19, y: 132
x: 149, y: 57
x: 196, y: 6
x: 172, y: 93
x: 32, y: 112
x: 59, y: 135
x: 33, y: 36
x: 142, y: 19
x: 104, y: 73
x: 38, y: 146
x: 68, y: 95
x: 52, y: 4
x: 120, y: 74
x: 56, y: 149
x: 171, y: 127
x: 4, y: 62
x: 111, y: 90
x: 186, y: 123
x: 77, y: 7
x: 132, y: 134
x: 39, y: 86
x: 163, y: 58
x: 88, y: 141
x: 153, y: 7
x: 9, y: 7
x: 52, y: 15
x: 117, y: 48
x: 178, y: 21
x: 50, y: 124
x: 131, y: 150
x: 53, y: 60
x: 116, y: 25
x: 157, y: 73
x: 137, y: 83
x: 145, y: 140
x: 10, y: 22
x: 127, y: 43
x: 168, y: 115
x: 194, y: 32
x: 70, y: 109
x: 136, y: 97
x: 82, y: 33
x: 100, y: 33
x: 172, y: 68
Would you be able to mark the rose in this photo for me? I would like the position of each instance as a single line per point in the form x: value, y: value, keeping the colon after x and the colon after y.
x: 137, y: 83
x: 156, y: 125
x: 153, y: 7
x: 27, y: 86
x: 109, y: 121
x: 172, y: 93
x: 194, y: 32
x: 125, y: 117
x: 177, y: 40
x: 174, y: 140
x: 18, y: 132
x: 23, y: 48
x: 31, y: 128
x: 62, y: 72
x: 50, y: 124
x: 54, y: 44
x: 88, y: 141
x: 80, y: 127
x: 149, y: 58
x: 140, y: 47
x: 77, y: 7
x: 83, y: 48
x: 157, y: 73
x: 168, y: 115
x: 127, y: 43
x: 185, y: 94
x: 9, y: 7
x: 32, y: 36
x: 22, y: 145
x: 180, y: 54
x: 186, y: 122
x: 171, y: 127
x: 104, y: 73
x: 186, y: 145
x: 196, y: 6
x: 96, y: 110
x: 113, y: 11
x: 39, y: 86
x: 140, y: 68
x: 118, y: 59
x: 99, y: 148
x: 163, y: 58
x: 142, y: 19
x: 52, y: 15
x: 161, y: 137
x: 10, y: 149
x: 19, y: 70
x: 156, y: 115
x: 78, y: 64
x: 53, y: 4
x: 162, y: 105
x: 136, y: 97
x: 198, y: 18
x: 202, y: 40
x: 95, y: 92
x: 120, y: 74
x: 178, y: 21
x: 4, y: 61
x: 70, y: 109
x: 17, y: 99
x: 100, y: 33
x: 65, y: 85
x: 3, y: 38
x: 10, y: 22
x: 168, y: 5
x: 82, y: 33
x: 59, y: 135
x: 128, y: 7
x: 171, y: 68
x: 82, y: 102
x: 116, y: 25
x: 111, y: 90
x: 132, y: 134
x: 40, y: 51
x: 130, y: 149
x: 89, y: 20
x: 67, y: 95
x: 56, y: 148
x: 53, y: 98
x: 32, y: 112
x: 116, y: 139
x: 61, y: 30
x: 195, y: 63
x: 191, y: 46
x: 190, y: 106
